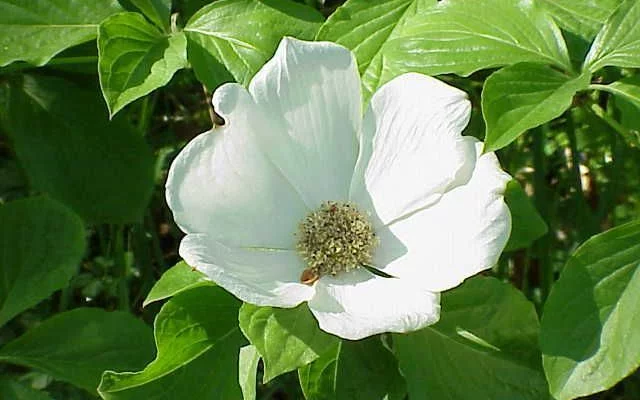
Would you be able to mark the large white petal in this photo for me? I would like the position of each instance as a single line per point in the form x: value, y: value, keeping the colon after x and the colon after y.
x: 311, y: 91
x: 222, y: 183
x: 461, y: 235
x: 258, y: 276
x: 358, y: 304
x: 411, y: 149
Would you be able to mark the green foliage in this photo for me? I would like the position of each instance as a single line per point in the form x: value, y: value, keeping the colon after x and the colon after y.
x: 488, y: 331
x: 41, y: 244
x: 358, y: 370
x: 365, y: 29
x: 582, y: 17
x: 69, y: 149
x: 176, y: 280
x: 618, y: 42
x: 158, y: 11
x: 136, y: 58
x: 526, y: 223
x: 198, y: 342
x: 97, y: 97
x: 219, y: 51
x: 77, y: 346
x: 523, y: 96
x: 247, y: 371
x: 590, y: 337
x: 35, y: 31
x: 486, y: 33
x: 285, y: 338
x: 13, y: 390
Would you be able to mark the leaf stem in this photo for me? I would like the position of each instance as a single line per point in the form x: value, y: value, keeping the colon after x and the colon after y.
x: 542, y: 201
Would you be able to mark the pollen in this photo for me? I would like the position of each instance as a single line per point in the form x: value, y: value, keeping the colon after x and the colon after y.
x: 333, y: 239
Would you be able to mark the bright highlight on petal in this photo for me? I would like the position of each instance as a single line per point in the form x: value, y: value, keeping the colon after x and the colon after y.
x: 298, y: 197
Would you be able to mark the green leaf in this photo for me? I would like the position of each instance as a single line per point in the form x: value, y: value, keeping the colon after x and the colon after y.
x: 285, y: 338
x: 158, y: 11
x: 618, y: 43
x: 523, y: 96
x: 35, y: 31
x: 135, y: 58
x: 14, y: 390
x: 626, y: 88
x: 176, y: 280
x: 68, y: 148
x: 486, y: 340
x: 77, y: 346
x: 583, y: 17
x: 465, y: 36
x: 248, y: 369
x: 201, y: 323
x: 360, y: 370
x: 215, y: 37
x: 526, y: 223
x: 41, y: 245
x: 364, y: 28
x: 589, y: 337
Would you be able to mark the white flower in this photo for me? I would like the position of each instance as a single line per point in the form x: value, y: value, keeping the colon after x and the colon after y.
x: 295, y: 140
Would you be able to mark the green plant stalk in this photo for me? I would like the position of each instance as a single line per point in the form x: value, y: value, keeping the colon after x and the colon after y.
x: 542, y: 202
x: 629, y: 137
x: 121, y: 268
x: 583, y: 226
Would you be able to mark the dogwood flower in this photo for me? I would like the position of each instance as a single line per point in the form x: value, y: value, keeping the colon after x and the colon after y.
x: 299, y: 197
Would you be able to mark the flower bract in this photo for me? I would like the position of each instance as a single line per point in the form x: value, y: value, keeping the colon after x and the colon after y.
x: 302, y: 195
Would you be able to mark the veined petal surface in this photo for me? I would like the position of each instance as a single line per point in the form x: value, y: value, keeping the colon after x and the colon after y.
x: 311, y: 92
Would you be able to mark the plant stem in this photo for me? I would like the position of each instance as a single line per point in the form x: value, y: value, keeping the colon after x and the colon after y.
x: 583, y: 226
x: 542, y: 201
x: 122, y: 268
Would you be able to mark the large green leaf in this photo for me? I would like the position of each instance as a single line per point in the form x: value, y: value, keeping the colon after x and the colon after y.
x: 360, y: 370
x: 41, y: 245
x: 468, y: 35
x: 158, y: 11
x: 626, y: 88
x: 135, y: 58
x: 582, y: 17
x: 523, y: 96
x: 35, y: 31
x: 247, y: 371
x: 526, y: 223
x: 77, y: 346
x: 285, y: 338
x: 14, y: 390
x: 364, y: 28
x: 68, y: 148
x: 239, y: 36
x: 618, y: 43
x: 483, y: 347
x: 589, y: 336
x: 200, y: 324
x: 177, y: 279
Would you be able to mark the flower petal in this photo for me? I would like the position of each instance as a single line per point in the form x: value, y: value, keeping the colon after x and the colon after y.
x: 411, y: 149
x: 461, y: 235
x: 222, y: 183
x: 257, y: 276
x: 311, y: 91
x: 358, y: 304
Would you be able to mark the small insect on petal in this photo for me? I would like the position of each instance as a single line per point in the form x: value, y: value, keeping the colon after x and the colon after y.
x: 309, y: 276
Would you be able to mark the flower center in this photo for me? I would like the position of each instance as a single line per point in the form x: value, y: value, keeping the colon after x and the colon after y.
x: 335, y: 238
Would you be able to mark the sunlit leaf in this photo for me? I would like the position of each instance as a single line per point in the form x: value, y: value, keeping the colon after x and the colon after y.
x: 589, y: 336
x: 618, y: 43
x: 177, y: 279
x: 523, y: 96
x: 285, y: 338
x: 487, y: 341
x: 35, y: 31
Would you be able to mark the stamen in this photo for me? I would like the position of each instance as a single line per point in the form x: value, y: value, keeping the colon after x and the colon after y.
x: 335, y: 238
